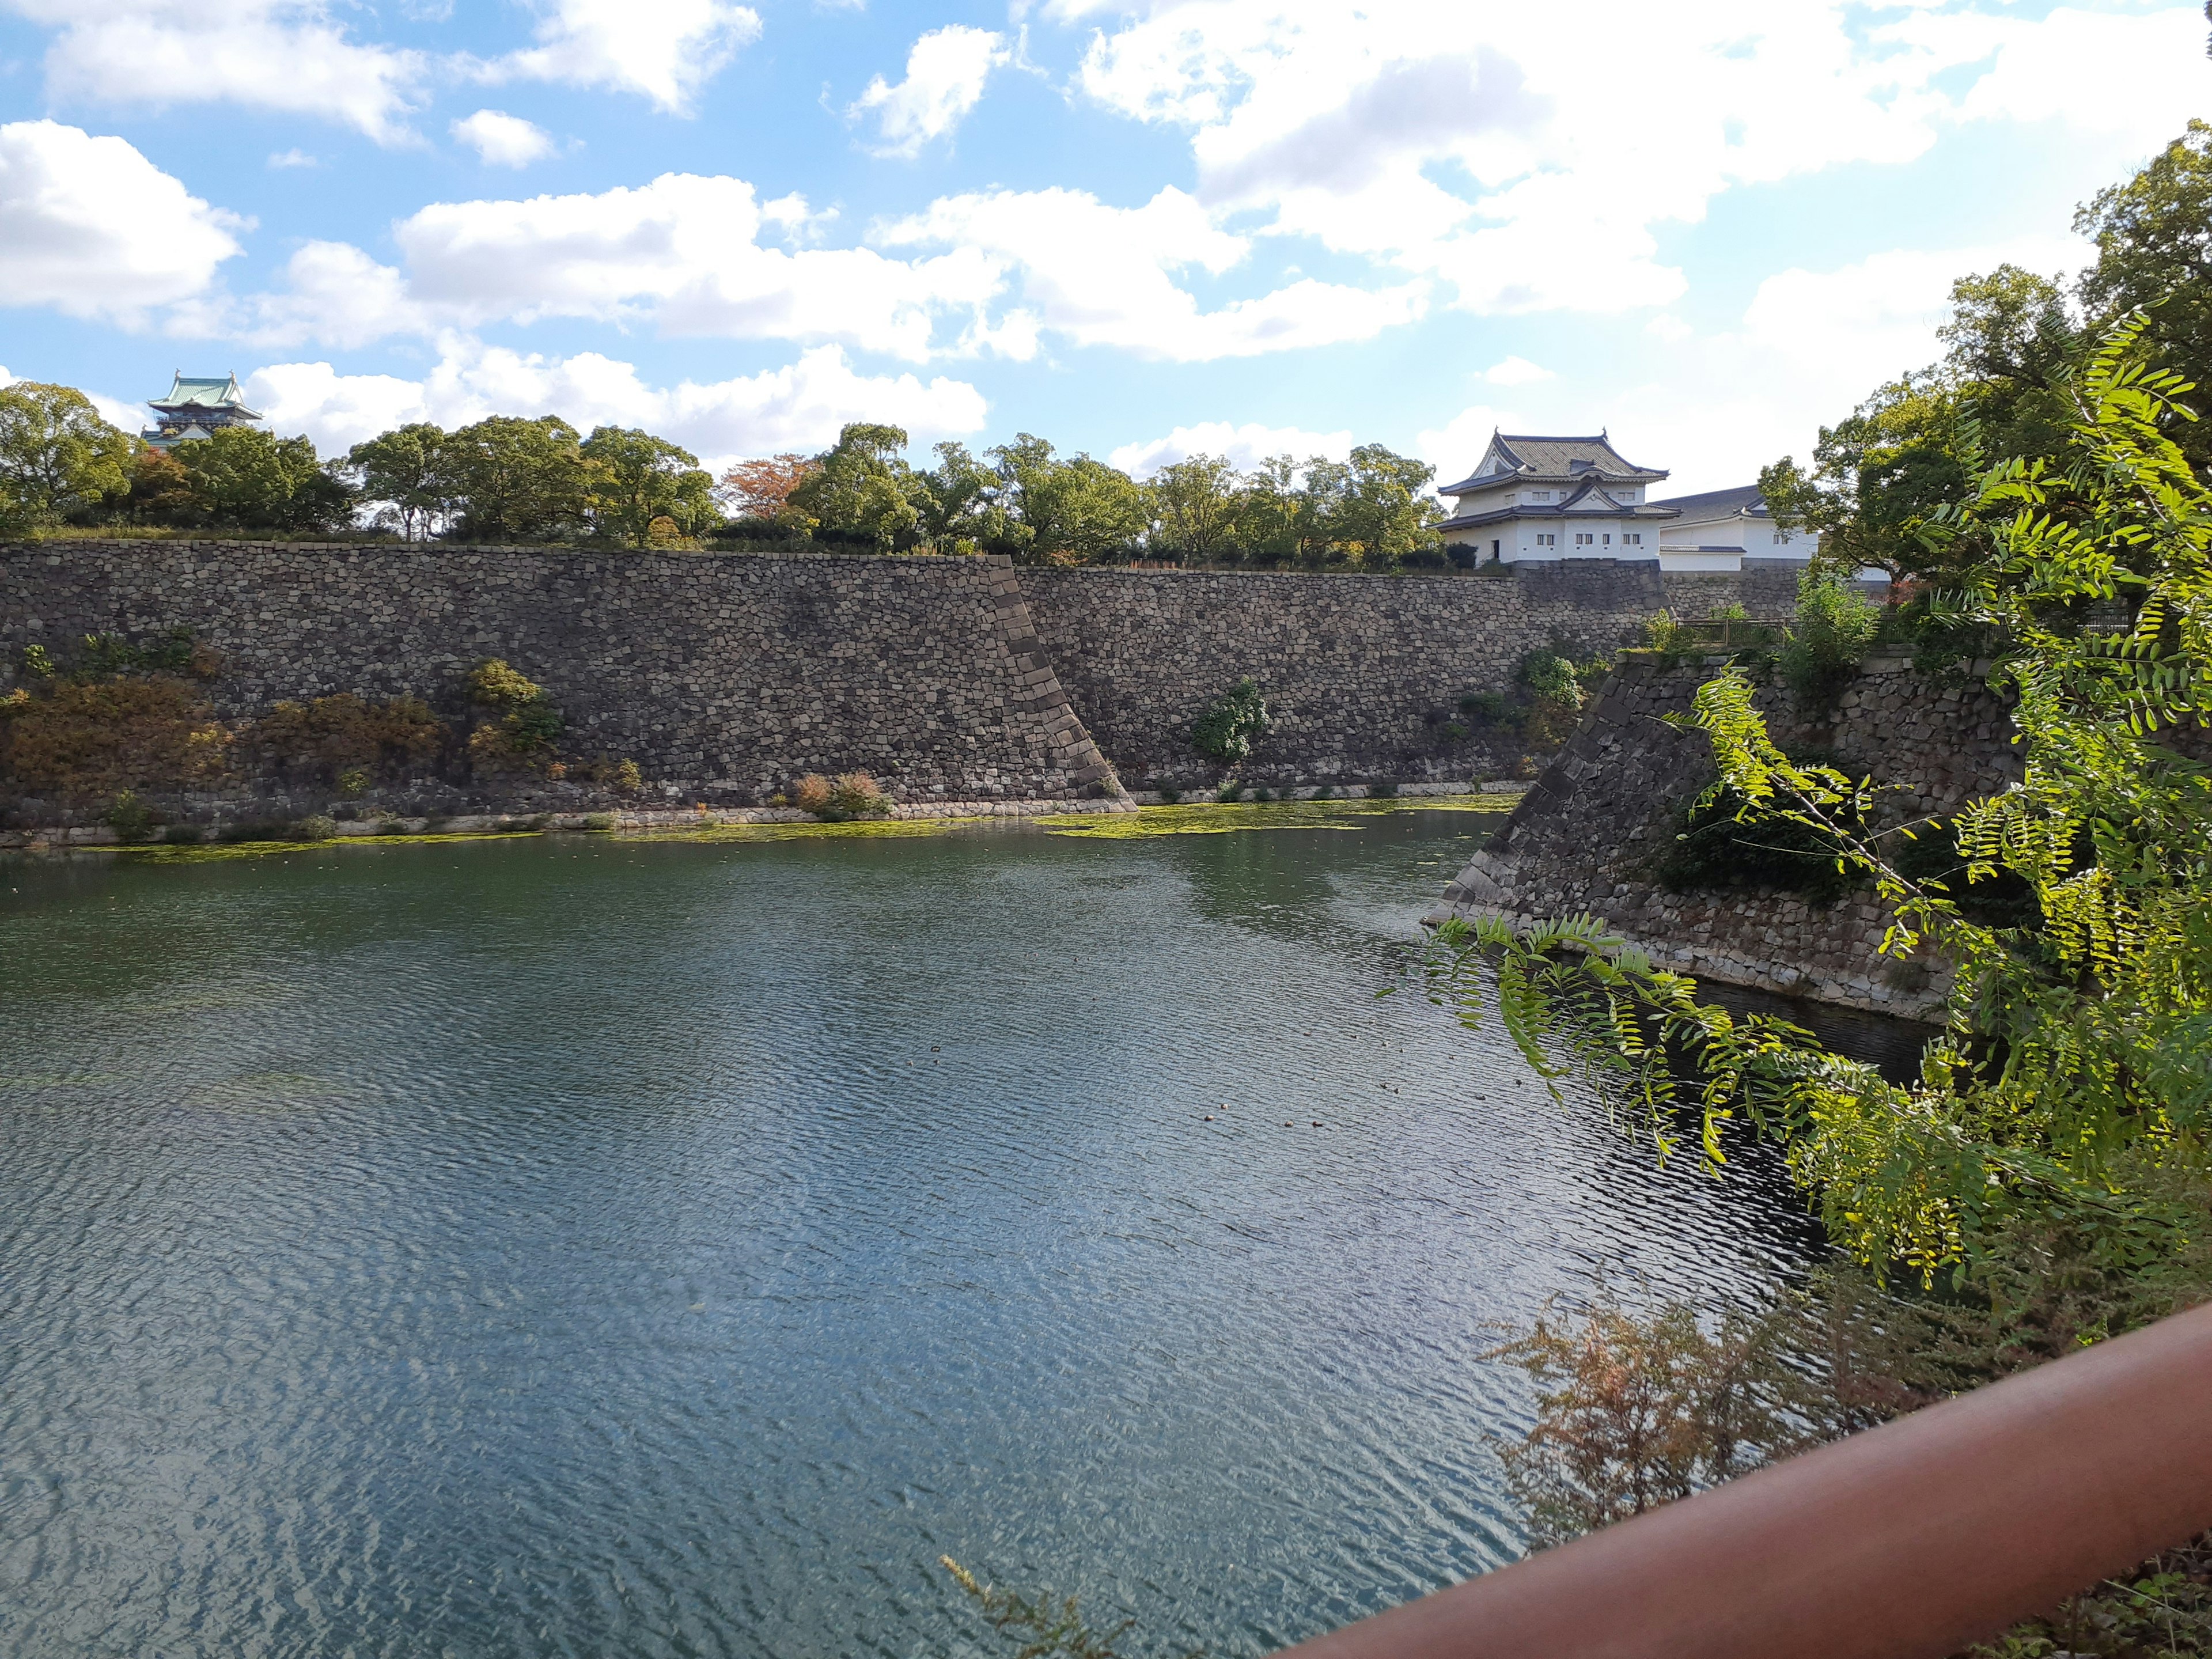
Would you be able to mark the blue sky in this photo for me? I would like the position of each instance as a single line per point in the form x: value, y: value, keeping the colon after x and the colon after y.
x: 1240, y: 226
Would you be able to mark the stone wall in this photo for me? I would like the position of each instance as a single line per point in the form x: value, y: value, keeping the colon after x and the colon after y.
x: 1583, y: 839
x: 1360, y: 672
x: 723, y: 676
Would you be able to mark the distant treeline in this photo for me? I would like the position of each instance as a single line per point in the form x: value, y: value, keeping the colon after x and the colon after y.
x: 512, y: 479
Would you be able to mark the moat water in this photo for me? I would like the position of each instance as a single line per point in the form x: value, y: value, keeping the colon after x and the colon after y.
x: 580, y: 1247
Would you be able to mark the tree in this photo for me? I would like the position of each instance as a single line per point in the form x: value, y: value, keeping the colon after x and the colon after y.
x: 633, y: 478
x: 58, y: 457
x: 1194, y: 506
x: 1385, y: 511
x: 512, y: 479
x: 160, y: 491
x: 2011, y: 347
x: 244, y: 476
x: 1878, y: 476
x: 1269, y: 513
x: 762, y: 489
x: 1069, y: 512
x: 404, y: 468
x: 2154, y: 237
x: 860, y: 490
x: 959, y: 502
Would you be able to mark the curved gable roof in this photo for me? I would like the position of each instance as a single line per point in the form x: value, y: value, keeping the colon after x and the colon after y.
x: 1560, y: 458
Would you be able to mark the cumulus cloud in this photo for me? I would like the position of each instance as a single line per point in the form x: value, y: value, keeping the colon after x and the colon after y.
x: 1102, y: 276
x: 1715, y: 406
x: 1245, y: 446
x: 1516, y: 371
x: 284, y: 55
x: 1522, y: 176
x: 686, y: 253
x: 501, y: 140
x: 663, y: 50
x: 90, y: 225
x: 945, y: 73
x: 800, y: 406
x: 683, y: 250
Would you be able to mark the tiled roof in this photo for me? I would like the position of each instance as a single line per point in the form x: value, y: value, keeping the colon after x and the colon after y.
x: 1719, y: 503
x: 1533, y: 456
x: 204, y: 391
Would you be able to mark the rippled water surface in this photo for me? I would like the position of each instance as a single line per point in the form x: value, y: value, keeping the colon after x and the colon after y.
x: 576, y: 1246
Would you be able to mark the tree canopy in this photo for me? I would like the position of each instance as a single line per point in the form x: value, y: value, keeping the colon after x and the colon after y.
x: 57, y: 455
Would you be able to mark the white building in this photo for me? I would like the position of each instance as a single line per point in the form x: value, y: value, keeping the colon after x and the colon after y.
x: 1537, y: 498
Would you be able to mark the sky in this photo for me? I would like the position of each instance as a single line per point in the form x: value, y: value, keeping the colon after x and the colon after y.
x: 1234, y: 226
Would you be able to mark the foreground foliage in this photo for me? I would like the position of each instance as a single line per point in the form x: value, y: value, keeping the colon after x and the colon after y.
x: 2070, y: 1062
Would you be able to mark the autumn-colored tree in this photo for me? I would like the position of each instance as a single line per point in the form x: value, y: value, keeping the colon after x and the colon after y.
x: 762, y: 489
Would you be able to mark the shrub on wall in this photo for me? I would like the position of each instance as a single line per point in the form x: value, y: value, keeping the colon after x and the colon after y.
x: 93, y: 740
x: 1829, y: 635
x: 1232, y: 723
x: 521, y: 739
x: 347, y: 742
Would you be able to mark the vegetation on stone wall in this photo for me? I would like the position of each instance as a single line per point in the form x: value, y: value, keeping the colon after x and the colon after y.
x: 347, y: 742
x: 1229, y: 725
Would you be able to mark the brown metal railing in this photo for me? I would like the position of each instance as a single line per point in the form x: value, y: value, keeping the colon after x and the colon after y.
x: 1908, y: 1541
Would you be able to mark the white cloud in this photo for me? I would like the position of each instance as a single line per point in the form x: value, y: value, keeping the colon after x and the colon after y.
x: 1516, y: 371
x: 1244, y: 446
x: 944, y: 76
x: 295, y: 157
x: 682, y: 250
x: 800, y: 406
x: 1524, y: 174
x: 92, y: 227
x: 501, y: 140
x: 282, y: 55
x: 685, y: 252
x: 663, y: 50
x: 1718, y: 406
x: 1100, y: 275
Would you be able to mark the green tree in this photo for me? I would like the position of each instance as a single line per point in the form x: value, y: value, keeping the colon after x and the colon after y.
x: 957, y: 501
x: 2154, y: 237
x: 58, y: 457
x: 2011, y: 345
x: 512, y: 479
x: 634, y: 478
x: 405, y: 469
x: 1069, y: 512
x: 1878, y: 476
x: 1195, y: 505
x: 1384, y: 511
x: 861, y: 490
x: 244, y: 476
x: 1269, y: 513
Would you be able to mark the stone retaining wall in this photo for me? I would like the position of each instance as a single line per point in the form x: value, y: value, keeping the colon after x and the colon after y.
x: 1583, y: 839
x: 727, y: 676
x: 1361, y: 673
x: 723, y: 676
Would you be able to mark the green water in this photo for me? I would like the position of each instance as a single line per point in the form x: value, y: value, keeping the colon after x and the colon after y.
x: 587, y: 1246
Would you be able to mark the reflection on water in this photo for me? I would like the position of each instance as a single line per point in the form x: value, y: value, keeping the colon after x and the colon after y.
x: 615, y: 1250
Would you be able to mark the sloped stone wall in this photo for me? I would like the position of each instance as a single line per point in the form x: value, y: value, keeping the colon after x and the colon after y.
x: 1360, y: 672
x: 723, y: 675
x: 1583, y: 839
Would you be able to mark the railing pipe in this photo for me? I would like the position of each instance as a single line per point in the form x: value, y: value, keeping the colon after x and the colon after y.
x: 1908, y: 1541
